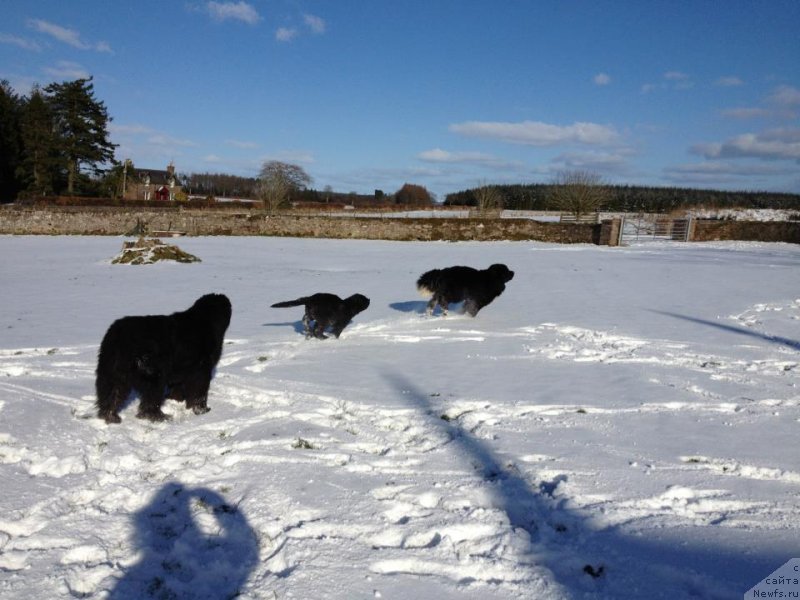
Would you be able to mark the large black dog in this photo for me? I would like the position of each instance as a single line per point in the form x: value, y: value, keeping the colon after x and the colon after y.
x: 327, y: 310
x: 464, y: 284
x: 162, y: 356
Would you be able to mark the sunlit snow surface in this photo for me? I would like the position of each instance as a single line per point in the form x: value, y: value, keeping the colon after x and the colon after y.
x: 620, y: 423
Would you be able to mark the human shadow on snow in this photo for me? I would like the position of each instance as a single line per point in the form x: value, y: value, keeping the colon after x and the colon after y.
x: 587, y: 559
x: 775, y: 339
x: 193, y: 545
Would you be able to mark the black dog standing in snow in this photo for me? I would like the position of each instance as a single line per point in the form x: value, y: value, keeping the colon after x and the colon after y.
x: 464, y: 284
x: 327, y: 310
x: 162, y: 356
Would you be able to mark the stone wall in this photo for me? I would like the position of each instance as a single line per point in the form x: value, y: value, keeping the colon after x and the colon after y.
x: 119, y: 221
x: 706, y: 230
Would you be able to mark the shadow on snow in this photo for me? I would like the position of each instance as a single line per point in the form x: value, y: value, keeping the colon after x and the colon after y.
x: 412, y: 306
x: 588, y: 559
x: 192, y: 545
x: 297, y: 325
x: 794, y: 345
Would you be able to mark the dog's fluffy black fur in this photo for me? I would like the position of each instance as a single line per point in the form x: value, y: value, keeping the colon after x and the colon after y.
x: 476, y: 288
x: 327, y: 311
x: 161, y: 356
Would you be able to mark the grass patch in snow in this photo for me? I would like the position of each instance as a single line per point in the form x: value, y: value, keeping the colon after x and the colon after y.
x: 146, y: 251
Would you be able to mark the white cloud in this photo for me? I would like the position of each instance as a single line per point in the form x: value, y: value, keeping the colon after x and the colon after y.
x: 675, y: 76
x: 672, y: 80
x: 601, y: 162
x: 23, y: 43
x: 128, y: 129
x: 66, y: 36
x: 786, y: 96
x: 744, y: 112
x: 602, y: 79
x: 21, y: 84
x: 772, y: 144
x: 285, y: 34
x: 62, y: 34
x: 782, y: 103
x: 316, y: 24
x: 161, y: 139
x: 65, y: 69
x: 724, y: 168
x: 437, y: 155
x: 290, y: 156
x: 535, y: 133
x: 242, y: 145
x: 717, y: 173
x: 730, y: 81
x: 237, y: 11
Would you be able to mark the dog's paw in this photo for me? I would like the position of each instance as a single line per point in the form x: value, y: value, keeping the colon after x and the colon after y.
x: 155, y: 417
x: 110, y: 417
x: 200, y: 410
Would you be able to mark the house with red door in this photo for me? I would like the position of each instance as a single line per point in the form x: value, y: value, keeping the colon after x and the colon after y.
x: 151, y: 184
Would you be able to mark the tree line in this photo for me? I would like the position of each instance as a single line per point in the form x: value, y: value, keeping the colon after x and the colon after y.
x: 53, y: 141
x: 625, y: 198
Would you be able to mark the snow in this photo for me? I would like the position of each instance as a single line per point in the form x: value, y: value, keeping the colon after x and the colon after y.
x: 746, y: 214
x: 620, y: 423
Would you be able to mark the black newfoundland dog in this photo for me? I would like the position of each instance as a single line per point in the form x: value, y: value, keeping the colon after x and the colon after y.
x: 464, y: 284
x: 327, y: 311
x: 161, y: 356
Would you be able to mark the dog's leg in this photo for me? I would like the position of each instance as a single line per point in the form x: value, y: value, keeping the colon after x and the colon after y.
x: 443, y: 304
x: 307, y: 325
x: 197, y: 392
x: 471, y: 307
x: 431, y: 306
x: 151, y: 400
x: 108, y: 408
x: 110, y: 396
x: 177, y: 392
x: 337, y: 329
x: 319, y: 331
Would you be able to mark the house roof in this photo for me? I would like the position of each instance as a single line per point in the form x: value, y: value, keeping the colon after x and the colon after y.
x: 157, y: 176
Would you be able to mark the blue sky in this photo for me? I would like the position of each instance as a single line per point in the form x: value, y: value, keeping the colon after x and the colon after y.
x: 370, y: 94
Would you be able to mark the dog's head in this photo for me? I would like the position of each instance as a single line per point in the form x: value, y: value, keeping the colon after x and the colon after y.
x: 214, y: 307
x: 501, y: 272
x: 357, y: 303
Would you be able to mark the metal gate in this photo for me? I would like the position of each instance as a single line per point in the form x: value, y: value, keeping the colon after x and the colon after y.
x: 650, y: 228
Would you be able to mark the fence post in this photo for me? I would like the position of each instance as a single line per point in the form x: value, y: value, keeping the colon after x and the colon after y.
x: 610, y: 232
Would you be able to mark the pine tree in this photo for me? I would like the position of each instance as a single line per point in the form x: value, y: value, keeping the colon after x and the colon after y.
x: 10, y: 142
x: 42, y: 168
x: 81, y: 122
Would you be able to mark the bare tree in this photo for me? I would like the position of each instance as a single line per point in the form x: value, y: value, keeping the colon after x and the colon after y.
x: 277, y: 180
x: 487, y: 197
x: 579, y: 192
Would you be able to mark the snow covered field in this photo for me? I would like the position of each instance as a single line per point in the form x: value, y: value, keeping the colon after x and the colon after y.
x: 620, y: 423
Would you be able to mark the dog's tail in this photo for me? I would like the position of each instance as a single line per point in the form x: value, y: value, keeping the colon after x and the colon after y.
x: 288, y: 303
x: 427, y: 282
